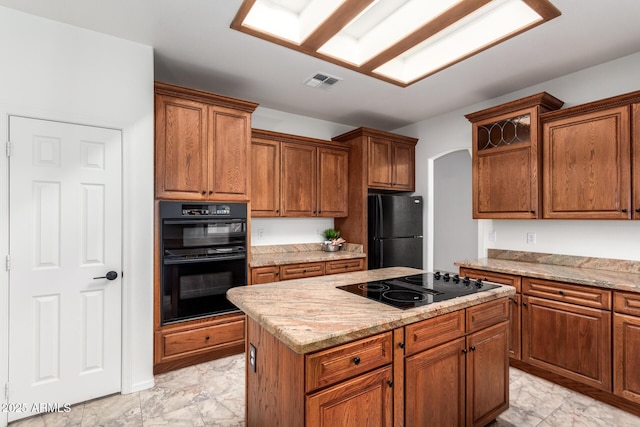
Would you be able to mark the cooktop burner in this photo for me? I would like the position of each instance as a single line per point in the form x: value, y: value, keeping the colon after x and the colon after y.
x: 417, y: 290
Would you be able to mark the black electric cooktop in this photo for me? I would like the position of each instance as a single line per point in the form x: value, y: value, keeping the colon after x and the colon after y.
x: 418, y: 290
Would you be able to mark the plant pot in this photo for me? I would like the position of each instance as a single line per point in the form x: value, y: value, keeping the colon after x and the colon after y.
x: 328, y: 247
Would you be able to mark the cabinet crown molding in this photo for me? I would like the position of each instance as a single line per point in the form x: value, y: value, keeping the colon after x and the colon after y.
x: 590, y: 107
x: 364, y: 131
x: 546, y: 102
x: 286, y: 137
x: 202, y: 96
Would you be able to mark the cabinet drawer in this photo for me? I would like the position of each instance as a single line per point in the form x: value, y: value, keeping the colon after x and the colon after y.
x: 191, y: 341
x: 267, y: 274
x: 487, y: 314
x: 503, y: 279
x: 339, y: 363
x: 431, y: 332
x: 298, y: 271
x: 343, y: 266
x: 575, y: 294
x: 627, y: 302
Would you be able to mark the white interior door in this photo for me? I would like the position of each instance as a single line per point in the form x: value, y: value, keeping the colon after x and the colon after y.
x: 65, y: 230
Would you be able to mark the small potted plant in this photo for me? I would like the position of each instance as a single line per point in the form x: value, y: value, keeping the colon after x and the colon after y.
x: 332, y: 240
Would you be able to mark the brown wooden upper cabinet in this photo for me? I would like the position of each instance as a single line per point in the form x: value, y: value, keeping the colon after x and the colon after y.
x: 202, y: 145
x: 590, y: 152
x: 587, y: 165
x: 265, y: 177
x: 386, y: 161
x: 635, y: 141
x: 298, y: 177
x: 391, y: 164
x: 506, y: 158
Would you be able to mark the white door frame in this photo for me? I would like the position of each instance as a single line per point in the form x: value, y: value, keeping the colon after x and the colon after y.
x: 127, y: 385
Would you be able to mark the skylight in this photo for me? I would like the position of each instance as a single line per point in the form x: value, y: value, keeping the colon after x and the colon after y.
x: 400, y: 41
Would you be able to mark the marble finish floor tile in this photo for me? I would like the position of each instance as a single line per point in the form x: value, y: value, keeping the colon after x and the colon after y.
x: 212, y: 395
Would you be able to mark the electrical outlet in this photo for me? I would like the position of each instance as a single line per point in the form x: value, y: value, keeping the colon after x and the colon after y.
x: 531, y: 238
x: 252, y: 357
x: 492, y: 236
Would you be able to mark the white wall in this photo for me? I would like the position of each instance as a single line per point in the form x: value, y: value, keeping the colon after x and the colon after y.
x: 278, y: 231
x: 455, y: 233
x: 55, y: 71
x: 610, y: 239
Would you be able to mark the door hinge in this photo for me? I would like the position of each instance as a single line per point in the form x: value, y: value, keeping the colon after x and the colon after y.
x: 8, y: 148
x: 8, y: 263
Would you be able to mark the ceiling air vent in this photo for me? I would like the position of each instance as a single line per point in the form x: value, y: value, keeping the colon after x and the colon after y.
x: 322, y: 80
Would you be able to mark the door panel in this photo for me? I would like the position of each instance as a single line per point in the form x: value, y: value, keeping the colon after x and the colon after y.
x: 404, y: 252
x: 401, y: 216
x: 65, y: 215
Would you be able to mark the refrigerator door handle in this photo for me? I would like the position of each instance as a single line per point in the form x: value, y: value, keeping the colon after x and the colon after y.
x: 379, y: 218
x: 381, y: 253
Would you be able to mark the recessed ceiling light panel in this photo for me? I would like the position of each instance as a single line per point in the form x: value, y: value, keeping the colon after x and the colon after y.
x: 399, y: 41
x: 382, y: 26
x: 475, y: 32
x: 292, y: 20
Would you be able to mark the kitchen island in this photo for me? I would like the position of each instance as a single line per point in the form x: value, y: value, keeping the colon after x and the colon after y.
x: 320, y: 356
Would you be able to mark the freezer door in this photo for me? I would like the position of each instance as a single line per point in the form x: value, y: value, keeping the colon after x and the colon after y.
x: 400, y: 216
x: 401, y: 252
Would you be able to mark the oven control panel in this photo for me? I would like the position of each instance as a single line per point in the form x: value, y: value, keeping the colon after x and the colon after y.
x: 208, y: 210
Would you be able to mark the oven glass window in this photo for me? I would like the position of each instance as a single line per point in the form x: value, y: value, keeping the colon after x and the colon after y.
x: 199, y: 289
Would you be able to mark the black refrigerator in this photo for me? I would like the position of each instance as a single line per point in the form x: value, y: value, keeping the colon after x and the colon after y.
x: 395, y: 231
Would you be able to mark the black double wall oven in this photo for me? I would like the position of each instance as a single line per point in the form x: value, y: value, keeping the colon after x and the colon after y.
x: 204, y: 254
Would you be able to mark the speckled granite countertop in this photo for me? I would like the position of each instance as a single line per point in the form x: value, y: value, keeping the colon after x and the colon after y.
x: 607, y: 273
x: 311, y: 314
x: 262, y: 256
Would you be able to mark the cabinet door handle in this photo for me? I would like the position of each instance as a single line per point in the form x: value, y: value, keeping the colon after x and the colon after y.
x: 524, y: 303
x: 533, y: 212
x: 356, y: 360
x: 515, y: 302
x: 390, y: 383
x: 638, y: 210
x: 401, y: 344
x: 204, y: 192
x: 624, y: 210
x: 464, y: 350
x: 561, y: 292
x: 473, y: 348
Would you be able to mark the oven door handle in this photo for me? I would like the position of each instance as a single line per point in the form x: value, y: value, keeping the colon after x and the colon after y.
x: 166, y: 261
x: 203, y: 221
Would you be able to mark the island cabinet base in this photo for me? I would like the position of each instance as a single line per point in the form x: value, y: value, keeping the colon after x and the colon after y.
x: 447, y: 370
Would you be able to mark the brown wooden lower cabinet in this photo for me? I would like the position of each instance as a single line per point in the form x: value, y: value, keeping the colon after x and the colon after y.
x: 626, y: 356
x: 570, y: 336
x: 443, y: 365
x: 568, y: 339
x: 515, y: 310
x: 363, y: 401
x: 199, y: 341
x: 448, y: 370
x: 626, y: 346
x: 275, y: 273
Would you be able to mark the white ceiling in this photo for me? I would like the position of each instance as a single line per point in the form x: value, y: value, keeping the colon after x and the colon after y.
x: 195, y: 47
